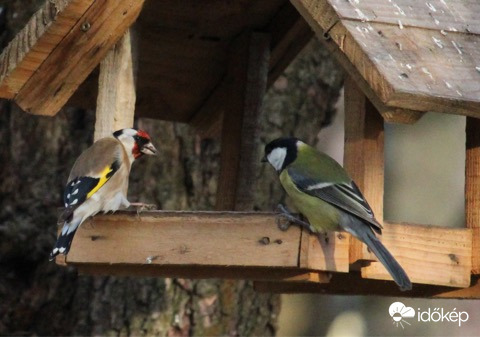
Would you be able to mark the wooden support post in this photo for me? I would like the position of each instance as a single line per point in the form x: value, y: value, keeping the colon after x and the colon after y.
x: 116, y: 90
x: 363, y: 157
x: 247, y: 80
x: 472, y: 188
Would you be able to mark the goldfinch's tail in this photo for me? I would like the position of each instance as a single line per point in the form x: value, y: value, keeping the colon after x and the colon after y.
x: 64, y: 241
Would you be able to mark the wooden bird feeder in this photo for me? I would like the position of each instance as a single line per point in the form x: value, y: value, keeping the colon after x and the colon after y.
x: 208, y: 64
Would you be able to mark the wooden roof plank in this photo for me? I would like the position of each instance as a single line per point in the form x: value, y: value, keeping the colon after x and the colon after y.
x: 407, y: 67
x: 454, y: 16
x: 79, y: 52
x: 176, y: 74
x: 34, y: 43
x: 289, y: 35
x: 419, y: 63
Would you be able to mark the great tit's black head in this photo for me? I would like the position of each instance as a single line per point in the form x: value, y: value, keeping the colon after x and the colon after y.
x: 281, y: 152
x: 137, y: 141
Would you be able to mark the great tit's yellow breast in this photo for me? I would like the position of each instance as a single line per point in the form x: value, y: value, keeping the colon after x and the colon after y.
x: 320, y: 214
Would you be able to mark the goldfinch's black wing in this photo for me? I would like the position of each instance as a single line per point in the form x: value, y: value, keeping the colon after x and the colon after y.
x: 342, y: 194
x: 91, y: 171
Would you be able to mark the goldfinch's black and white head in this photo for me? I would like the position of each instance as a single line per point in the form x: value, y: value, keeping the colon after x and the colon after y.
x: 281, y: 152
x: 136, y: 141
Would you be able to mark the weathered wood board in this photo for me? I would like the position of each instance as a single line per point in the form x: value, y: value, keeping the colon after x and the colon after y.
x: 182, y: 53
x: 197, y: 238
x: 116, y: 89
x: 80, y: 50
x: 239, y: 241
x: 421, y: 56
x: 429, y: 254
x: 29, y: 49
x: 472, y: 188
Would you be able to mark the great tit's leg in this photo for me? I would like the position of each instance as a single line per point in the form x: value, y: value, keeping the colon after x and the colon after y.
x: 323, y: 236
x: 285, y: 213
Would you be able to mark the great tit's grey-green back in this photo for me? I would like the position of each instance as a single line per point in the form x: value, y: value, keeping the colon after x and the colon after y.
x: 317, y: 175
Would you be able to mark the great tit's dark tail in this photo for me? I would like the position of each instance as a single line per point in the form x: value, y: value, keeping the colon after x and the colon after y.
x: 363, y: 232
x: 384, y: 256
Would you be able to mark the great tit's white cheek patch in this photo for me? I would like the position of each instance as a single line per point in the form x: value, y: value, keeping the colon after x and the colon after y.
x: 277, y: 157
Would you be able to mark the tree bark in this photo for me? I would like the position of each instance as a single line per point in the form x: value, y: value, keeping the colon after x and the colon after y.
x: 36, y: 154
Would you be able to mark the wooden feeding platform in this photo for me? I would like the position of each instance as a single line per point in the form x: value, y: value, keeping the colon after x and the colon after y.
x: 209, y: 64
x: 249, y: 245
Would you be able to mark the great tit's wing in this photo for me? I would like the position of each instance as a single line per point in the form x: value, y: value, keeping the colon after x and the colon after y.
x: 342, y: 193
x: 92, y: 169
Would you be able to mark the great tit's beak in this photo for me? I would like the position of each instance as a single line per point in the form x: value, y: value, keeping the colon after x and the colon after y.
x: 264, y: 159
x: 149, y: 149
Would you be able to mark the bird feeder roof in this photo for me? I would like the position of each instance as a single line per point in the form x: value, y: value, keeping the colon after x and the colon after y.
x: 408, y: 56
x: 418, y: 55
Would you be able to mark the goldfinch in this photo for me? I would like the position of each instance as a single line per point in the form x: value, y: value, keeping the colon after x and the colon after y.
x: 98, y: 181
x: 324, y: 193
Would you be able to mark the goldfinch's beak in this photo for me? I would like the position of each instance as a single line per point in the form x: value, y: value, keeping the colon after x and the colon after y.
x: 264, y: 159
x: 149, y: 149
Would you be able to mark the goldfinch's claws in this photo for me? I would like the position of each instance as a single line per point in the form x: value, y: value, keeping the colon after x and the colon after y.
x: 140, y: 207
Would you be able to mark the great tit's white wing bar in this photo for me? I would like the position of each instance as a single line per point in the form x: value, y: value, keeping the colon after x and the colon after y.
x: 345, y: 196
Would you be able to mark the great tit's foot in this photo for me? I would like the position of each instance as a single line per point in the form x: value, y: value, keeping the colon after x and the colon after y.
x: 285, y: 213
x: 323, y: 235
x: 283, y: 223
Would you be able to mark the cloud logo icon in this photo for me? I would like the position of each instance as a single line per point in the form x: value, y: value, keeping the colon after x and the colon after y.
x: 398, y: 311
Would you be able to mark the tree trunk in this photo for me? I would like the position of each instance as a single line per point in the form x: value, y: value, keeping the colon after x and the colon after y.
x: 36, y: 154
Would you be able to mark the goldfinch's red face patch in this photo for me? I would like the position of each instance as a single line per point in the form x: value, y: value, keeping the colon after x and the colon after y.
x: 143, y: 145
x: 136, y: 140
x: 143, y: 134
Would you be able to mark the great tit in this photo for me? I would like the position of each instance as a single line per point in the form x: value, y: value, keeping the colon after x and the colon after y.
x: 324, y: 193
